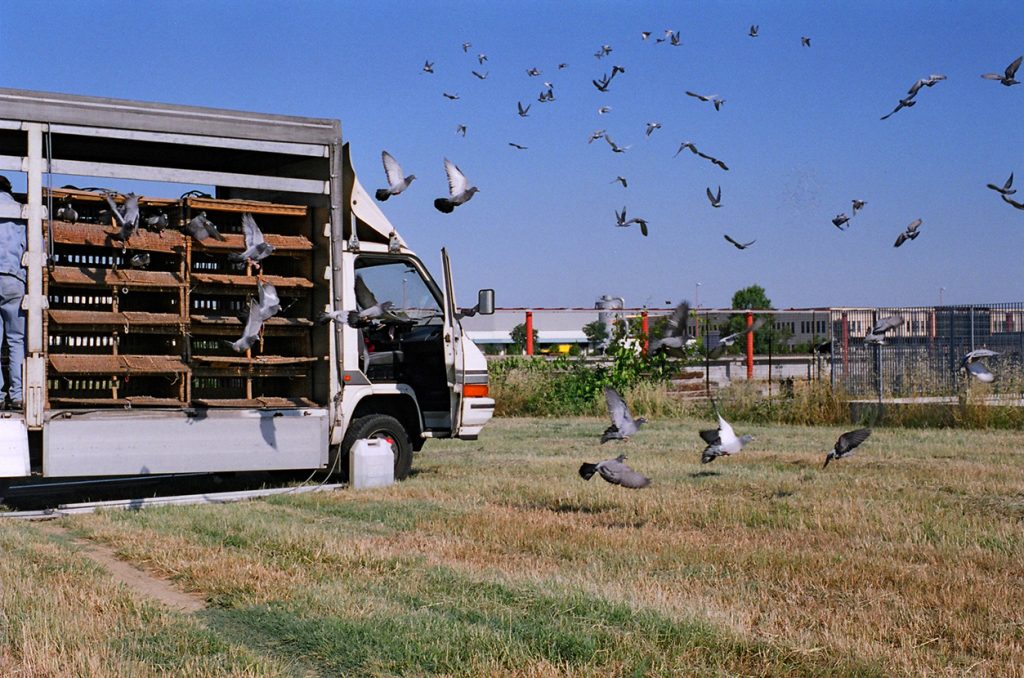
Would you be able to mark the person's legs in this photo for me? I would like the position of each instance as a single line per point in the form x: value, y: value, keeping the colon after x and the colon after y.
x: 12, y: 291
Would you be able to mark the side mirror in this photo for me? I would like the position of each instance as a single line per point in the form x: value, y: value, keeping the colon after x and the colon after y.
x: 485, y: 302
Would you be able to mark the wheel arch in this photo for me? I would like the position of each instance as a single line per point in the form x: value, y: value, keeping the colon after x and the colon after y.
x: 400, y: 406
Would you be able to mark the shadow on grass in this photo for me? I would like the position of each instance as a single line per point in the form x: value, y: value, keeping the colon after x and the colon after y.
x: 705, y: 474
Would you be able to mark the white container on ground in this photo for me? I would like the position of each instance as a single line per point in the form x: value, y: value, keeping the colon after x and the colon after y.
x: 371, y: 463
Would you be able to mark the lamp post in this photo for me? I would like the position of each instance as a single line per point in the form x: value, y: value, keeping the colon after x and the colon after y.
x: 696, y: 316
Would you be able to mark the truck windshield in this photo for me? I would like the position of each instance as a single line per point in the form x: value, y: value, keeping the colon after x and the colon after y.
x: 384, y: 279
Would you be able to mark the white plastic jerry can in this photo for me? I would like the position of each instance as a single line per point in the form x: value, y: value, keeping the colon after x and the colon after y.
x: 371, y: 463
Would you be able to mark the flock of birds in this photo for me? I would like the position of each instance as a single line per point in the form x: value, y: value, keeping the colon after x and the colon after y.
x: 719, y: 442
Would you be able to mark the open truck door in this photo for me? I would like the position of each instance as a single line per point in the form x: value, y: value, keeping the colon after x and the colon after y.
x: 452, y: 345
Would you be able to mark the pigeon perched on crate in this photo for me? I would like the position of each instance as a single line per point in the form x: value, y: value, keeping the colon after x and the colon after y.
x: 616, y: 472
x: 721, y: 442
x: 623, y: 424
x: 459, y: 189
x: 202, y: 228
x: 140, y: 260
x: 266, y: 305
x: 846, y: 444
x: 397, y: 181
x: 157, y: 222
x: 66, y: 212
x: 256, y: 248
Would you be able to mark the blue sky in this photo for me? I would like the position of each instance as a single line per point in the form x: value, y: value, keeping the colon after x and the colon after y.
x: 800, y: 131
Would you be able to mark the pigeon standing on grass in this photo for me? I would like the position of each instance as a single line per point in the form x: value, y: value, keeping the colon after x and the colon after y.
x: 202, y: 228
x: 265, y: 306
x: 616, y: 472
x: 846, y: 444
x: 458, y: 188
x: 721, y: 442
x: 397, y: 181
x: 623, y: 424
x: 256, y: 248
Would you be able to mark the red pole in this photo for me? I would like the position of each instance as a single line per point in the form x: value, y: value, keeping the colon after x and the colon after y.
x: 846, y: 344
x: 750, y: 346
x: 644, y: 326
x: 529, y: 333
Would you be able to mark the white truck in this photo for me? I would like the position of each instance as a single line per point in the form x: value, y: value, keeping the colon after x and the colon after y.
x: 128, y: 367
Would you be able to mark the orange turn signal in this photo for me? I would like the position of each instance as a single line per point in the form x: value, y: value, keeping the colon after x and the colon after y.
x: 475, y: 390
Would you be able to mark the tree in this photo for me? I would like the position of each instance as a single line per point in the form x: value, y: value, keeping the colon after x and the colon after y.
x: 519, y: 337
x: 754, y: 297
x: 597, y: 333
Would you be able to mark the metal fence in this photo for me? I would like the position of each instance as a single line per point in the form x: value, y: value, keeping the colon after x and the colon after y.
x: 922, y: 356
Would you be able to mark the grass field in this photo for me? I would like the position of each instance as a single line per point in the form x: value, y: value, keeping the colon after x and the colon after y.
x: 495, y: 558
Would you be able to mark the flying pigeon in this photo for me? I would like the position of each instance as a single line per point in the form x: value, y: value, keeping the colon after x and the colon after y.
x: 714, y: 99
x: 688, y: 146
x: 846, y: 444
x: 676, y: 338
x: 562, y: 65
x: 805, y: 41
x: 721, y: 441
x: 604, y: 109
x: 858, y: 205
x: 903, y: 103
x: 1008, y: 76
x: 602, y: 84
x: 714, y: 161
x: 546, y: 96
x: 823, y: 347
x: 266, y: 306
x: 481, y: 58
x: 621, y: 180
x: 616, y: 70
x: 453, y: 97
x: 428, y: 67
x: 461, y: 130
x: 202, y: 228
x: 911, y: 233
x: 603, y: 52
x: 532, y: 72
x: 458, y: 188
x: 1004, y: 190
x: 978, y: 369
x: 615, y: 147
x: 466, y: 46
x: 256, y: 248
x: 616, y: 472
x: 876, y: 335
x: 523, y: 110
x: 623, y: 424
x: 740, y: 245
x: 644, y: 35
x: 730, y: 339
x: 651, y: 126
x: 925, y: 82
x: 715, y: 198
x: 595, y: 136
x: 753, y: 31
x: 482, y: 76
x: 1012, y: 202
x: 515, y: 145
x: 673, y: 39
x: 66, y: 212
x: 839, y: 220
x: 397, y: 181
x: 126, y: 216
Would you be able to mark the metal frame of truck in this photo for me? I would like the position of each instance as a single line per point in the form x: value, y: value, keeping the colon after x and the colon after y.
x: 246, y: 157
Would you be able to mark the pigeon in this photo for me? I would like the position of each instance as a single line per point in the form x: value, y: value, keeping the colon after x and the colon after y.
x: 523, y: 111
x: 904, y: 103
x: 428, y: 66
x: 642, y: 223
x: 715, y: 198
x: 126, y: 216
x: 1008, y: 76
x: 714, y: 161
x: 66, y: 212
x: 482, y: 76
x: 721, y: 442
x: 1012, y: 202
x: 459, y: 189
x: 397, y: 182
x: 676, y: 338
x: 453, y: 97
x: 394, y: 243
x: 202, y: 228
x: 730, y: 339
x: 546, y: 96
x: 714, y: 99
x: 753, y: 31
x: 925, y: 82
x: 603, y: 83
x: 616, y: 70
x: 621, y: 180
x: 603, y: 52
x: 911, y: 233
x: 604, y: 109
x: 461, y: 130
x: 515, y: 145
x: 481, y: 58
x: 616, y: 472
x: 846, y: 444
x: 615, y: 147
x: 644, y: 35
x: 1004, y: 190
x: 651, y: 126
x: 688, y: 146
x: 623, y: 424
x: 876, y: 335
x: 823, y: 347
x: 971, y: 364
x: 266, y: 306
x: 157, y: 222
x: 466, y: 46
x: 256, y: 248
x: 673, y: 39
x: 858, y: 205
x: 532, y: 72
x: 620, y: 217
x: 805, y: 41
x: 740, y: 245
x: 839, y: 220
x: 595, y: 136
x: 140, y: 260
x: 563, y: 65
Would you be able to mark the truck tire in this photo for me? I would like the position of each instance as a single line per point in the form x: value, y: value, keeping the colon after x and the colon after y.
x: 380, y: 426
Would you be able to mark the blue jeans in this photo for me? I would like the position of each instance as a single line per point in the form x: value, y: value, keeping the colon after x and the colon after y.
x: 12, y: 325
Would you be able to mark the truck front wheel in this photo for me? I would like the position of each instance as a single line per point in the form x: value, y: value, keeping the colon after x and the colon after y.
x: 385, y: 427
